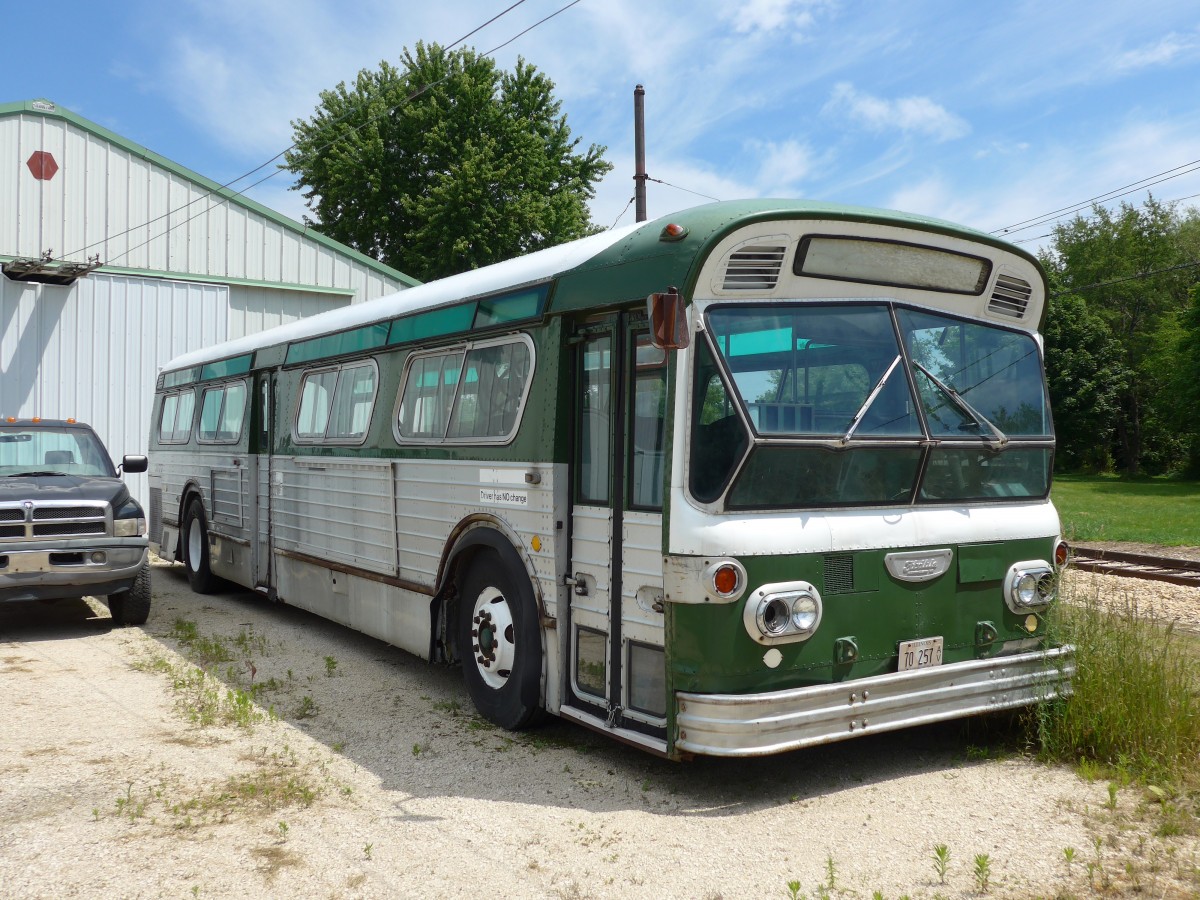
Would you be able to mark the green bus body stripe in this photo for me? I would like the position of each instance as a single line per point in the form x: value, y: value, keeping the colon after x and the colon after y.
x: 368, y: 337
x: 237, y: 365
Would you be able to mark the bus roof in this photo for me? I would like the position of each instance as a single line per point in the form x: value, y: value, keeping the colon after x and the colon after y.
x: 671, y: 261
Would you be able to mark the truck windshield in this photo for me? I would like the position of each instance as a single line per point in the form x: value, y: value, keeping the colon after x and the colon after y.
x: 865, y: 404
x: 52, y: 451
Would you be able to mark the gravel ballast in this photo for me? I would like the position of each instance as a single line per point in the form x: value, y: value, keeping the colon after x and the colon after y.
x: 377, y: 780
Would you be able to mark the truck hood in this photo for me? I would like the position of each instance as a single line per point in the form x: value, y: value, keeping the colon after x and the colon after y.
x: 73, y: 488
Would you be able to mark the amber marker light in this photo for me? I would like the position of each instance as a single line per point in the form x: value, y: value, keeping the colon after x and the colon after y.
x: 1061, y: 554
x: 724, y: 580
x: 673, y: 232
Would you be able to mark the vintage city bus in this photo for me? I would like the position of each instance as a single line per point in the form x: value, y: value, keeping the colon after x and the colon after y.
x: 754, y: 477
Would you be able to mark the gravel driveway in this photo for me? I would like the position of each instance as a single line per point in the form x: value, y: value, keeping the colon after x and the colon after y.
x: 124, y: 774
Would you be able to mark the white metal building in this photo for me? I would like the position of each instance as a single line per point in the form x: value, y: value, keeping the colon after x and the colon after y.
x: 116, y: 260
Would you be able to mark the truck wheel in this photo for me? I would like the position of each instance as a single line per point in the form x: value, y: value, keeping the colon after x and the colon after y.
x: 132, y: 607
x: 195, y: 550
x: 500, y: 643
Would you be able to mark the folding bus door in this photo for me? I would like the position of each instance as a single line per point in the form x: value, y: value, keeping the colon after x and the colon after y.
x: 616, y: 672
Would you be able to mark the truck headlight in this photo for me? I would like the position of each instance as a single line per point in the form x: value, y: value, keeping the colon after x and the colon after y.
x: 129, y: 527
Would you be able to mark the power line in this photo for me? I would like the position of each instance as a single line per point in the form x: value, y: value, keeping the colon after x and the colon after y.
x: 625, y: 210
x: 686, y: 190
x: 1138, y: 277
x: 1124, y: 190
x: 1090, y: 218
x: 226, y: 197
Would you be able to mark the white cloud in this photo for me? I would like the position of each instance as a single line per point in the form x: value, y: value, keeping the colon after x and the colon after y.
x: 753, y: 16
x: 908, y: 114
x: 1161, y: 52
x: 783, y: 165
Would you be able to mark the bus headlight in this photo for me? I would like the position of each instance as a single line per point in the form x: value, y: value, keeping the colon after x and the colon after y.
x: 782, y: 613
x: 1029, y: 586
x: 805, y: 613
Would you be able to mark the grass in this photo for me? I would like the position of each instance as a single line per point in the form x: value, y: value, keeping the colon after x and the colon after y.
x: 1146, y: 510
x: 1136, y: 704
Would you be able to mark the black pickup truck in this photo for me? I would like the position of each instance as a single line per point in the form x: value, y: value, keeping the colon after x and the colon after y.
x: 68, y: 525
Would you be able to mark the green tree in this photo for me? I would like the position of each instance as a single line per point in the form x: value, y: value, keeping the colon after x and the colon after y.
x: 1086, y: 379
x: 445, y: 164
x: 1186, y: 382
x: 1126, y: 265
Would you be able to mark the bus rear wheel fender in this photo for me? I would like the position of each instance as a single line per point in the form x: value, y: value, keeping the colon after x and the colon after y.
x: 499, y: 641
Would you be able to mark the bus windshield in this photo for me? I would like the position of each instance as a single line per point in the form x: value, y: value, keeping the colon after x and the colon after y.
x: 866, y: 404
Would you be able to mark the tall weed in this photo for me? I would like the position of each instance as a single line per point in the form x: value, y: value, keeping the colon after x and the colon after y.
x: 1136, y: 702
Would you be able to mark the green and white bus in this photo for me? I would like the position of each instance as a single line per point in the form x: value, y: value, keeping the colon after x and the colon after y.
x: 758, y: 476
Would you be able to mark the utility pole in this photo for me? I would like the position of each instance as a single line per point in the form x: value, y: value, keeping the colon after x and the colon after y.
x: 639, y: 152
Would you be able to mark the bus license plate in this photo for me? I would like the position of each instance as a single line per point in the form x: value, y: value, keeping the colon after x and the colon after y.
x: 920, y: 654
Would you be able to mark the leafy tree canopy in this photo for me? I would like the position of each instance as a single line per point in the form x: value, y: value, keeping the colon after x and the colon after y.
x: 445, y: 164
x: 1129, y: 271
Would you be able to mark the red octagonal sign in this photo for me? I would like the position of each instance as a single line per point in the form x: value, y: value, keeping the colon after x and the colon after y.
x: 42, y: 165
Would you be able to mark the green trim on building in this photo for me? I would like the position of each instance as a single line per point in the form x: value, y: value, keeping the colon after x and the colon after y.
x: 50, y: 109
x: 214, y: 279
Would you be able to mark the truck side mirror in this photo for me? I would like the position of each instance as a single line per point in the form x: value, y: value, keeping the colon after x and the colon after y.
x: 132, y: 464
x: 668, y: 320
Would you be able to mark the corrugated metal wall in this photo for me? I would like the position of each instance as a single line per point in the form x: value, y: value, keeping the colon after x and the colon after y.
x: 92, y: 351
x: 109, y: 201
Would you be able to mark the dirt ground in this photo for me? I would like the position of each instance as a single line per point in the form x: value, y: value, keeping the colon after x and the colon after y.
x: 123, y: 773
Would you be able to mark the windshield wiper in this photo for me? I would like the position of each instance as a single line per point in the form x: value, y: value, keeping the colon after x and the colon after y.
x: 862, y: 410
x: 33, y: 474
x: 960, y: 401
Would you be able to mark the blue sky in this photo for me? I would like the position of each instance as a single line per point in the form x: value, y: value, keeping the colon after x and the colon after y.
x: 985, y: 114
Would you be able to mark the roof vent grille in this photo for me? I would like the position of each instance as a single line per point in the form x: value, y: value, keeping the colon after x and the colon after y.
x: 754, y: 268
x: 1011, y: 297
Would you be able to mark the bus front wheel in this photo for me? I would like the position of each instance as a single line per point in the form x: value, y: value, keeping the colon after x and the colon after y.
x: 195, y: 550
x: 500, y: 643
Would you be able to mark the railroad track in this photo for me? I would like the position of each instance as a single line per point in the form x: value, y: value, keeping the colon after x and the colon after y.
x: 1136, y: 565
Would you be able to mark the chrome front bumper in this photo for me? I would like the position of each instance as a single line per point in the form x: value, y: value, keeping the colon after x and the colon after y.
x: 758, y: 724
x: 70, y: 570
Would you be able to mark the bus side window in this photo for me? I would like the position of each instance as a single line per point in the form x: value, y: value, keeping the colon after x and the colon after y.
x: 647, y: 434
x: 183, y: 418
x: 316, y: 397
x: 489, y: 399
x: 427, y: 395
x: 166, y: 421
x: 221, y: 413
x: 336, y: 404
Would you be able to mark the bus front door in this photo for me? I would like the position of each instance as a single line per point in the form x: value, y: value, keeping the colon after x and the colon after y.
x: 264, y: 438
x: 616, y: 674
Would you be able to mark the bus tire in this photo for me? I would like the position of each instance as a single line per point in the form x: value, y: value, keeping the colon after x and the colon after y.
x: 195, y: 550
x: 132, y: 607
x: 500, y: 643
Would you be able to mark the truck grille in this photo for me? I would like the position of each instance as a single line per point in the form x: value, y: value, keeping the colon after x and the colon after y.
x: 22, y: 523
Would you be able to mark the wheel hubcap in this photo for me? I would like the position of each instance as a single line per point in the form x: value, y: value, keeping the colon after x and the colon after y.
x: 194, y: 547
x: 493, y: 638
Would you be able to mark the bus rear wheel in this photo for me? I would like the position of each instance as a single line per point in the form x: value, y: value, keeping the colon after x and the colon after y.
x: 195, y: 550
x: 500, y: 643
